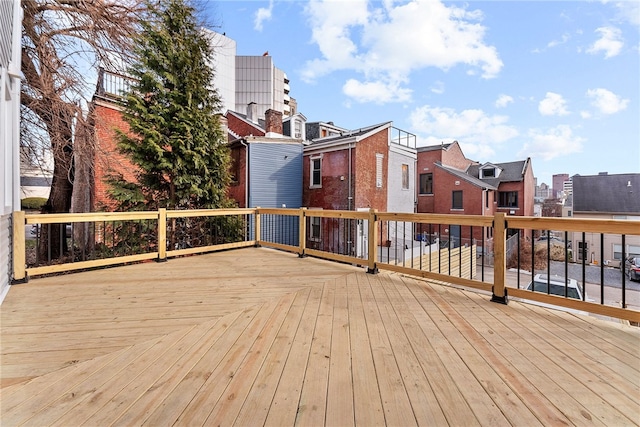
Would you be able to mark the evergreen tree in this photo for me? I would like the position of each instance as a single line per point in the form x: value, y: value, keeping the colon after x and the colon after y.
x: 176, y: 141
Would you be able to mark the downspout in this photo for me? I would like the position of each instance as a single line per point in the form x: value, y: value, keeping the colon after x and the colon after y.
x: 246, y: 173
x: 350, y: 206
x: 350, y: 197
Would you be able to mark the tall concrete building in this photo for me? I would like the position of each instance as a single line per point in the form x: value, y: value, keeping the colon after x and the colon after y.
x: 242, y: 80
x: 558, y: 182
x: 224, y: 68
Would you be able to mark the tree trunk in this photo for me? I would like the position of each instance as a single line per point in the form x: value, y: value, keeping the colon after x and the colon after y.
x: 53, y: 243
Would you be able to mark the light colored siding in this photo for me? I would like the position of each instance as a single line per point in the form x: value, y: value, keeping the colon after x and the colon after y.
x: 10, y: 18
x: 6, y: 31
x: 399, y: 199
x: 275, y: 175
x: 5, y: 255
x: 275, y: 181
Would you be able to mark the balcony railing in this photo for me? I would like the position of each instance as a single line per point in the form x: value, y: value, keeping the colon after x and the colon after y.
x: 503, y: 255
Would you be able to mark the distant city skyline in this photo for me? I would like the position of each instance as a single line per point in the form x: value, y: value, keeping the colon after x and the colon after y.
x: 555, y: 81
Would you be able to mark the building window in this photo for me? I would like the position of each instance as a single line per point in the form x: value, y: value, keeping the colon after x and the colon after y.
x: 508, y: 199
x: 426, y: 183
x: 489, y: 173
x: 379, y: 158
x: 316, y: 174
x: 456, y: 198
x: 405, y: 177
x: 297, y: 129
x: 314, y: 230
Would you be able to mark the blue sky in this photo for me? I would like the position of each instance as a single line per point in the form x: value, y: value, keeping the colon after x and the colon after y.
x: 555, y: 81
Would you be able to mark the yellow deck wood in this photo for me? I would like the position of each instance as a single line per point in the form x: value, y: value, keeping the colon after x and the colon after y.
x: 261, y: 337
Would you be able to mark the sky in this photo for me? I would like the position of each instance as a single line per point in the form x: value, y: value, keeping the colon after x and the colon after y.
x: 554, y: 81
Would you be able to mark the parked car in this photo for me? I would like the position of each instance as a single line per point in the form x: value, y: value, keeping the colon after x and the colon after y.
x: 632, y: 268
x: 539, y: 284
x: 555, y: 286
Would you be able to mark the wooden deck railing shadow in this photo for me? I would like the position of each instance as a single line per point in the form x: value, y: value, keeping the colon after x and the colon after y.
x: 465, y: 250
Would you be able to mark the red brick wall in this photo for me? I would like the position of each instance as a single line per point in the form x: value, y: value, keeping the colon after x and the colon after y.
x: 238, y: 188
x: 367, y: 195
x: 273, y: 121
x: 529, y: 190
x: 454, y: 157
x: 107, y: 160
x: 241, y: 127
x: 425, y: 164
x: 335, y: 190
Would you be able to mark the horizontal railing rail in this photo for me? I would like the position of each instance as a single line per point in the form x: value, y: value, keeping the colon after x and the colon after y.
x: 544, y: 254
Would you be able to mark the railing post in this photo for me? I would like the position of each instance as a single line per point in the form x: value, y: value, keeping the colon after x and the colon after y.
x: 162, y: 235
x: 257, y: 215
x: 19, y: 250
x: 500, y: 259
x: 373, y: 242
x: 303, y: 232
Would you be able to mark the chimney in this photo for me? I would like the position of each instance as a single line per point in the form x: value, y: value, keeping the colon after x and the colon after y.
x: 273, y: 121
x: 252, y: 112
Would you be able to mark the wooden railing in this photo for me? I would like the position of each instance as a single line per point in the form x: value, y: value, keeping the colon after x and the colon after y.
x: 463, y: 250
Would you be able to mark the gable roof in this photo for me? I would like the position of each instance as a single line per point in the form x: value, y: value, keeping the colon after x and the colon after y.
x: 511, y: 172
x: 434, y: 147
x: 349, y: 136
x: 481, y: 183
x: 618, y: 193
x: 261, y: 125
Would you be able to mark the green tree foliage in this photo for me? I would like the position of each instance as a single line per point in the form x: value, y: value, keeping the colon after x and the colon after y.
x: 176, y: 142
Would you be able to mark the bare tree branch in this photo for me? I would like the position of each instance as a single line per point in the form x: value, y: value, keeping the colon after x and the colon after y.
x: 63, y: 43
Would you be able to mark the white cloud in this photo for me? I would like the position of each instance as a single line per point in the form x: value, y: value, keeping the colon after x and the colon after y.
x: 503, y: 100
x: 606, y: 101
x: 385, y: 41
x: 555, y: 142
x: 553, y: 43
x: 553, y: 105
x: 262, y: 14
x: 585, y: 114
x: 377, y: 92
x: 610, y: 42
x: 477, y: 133
x: 437, y: 87
x: 629, y: 11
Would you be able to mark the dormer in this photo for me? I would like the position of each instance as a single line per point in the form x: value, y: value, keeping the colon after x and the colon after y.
x: 489, y: 171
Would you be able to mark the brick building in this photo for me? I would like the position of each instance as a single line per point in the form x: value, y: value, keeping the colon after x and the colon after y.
x: 371, y: 167
x: 266, y: 165
x: 449, y: 183
x: 107, y: 161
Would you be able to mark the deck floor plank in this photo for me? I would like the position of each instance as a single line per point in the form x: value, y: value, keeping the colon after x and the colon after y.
x: 340, y: 388
x: 286, y: 398
x: 313, y: 396
x: 261, y: 337
x: 395, y: 401
x: 368, y: 409
x: 537, y: 368
x: 596, y: 393
x: 217, y: 379
x: 434, y: 322
x: 255, y: 410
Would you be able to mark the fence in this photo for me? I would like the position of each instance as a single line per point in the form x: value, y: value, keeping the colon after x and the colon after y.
x: 452, y: 249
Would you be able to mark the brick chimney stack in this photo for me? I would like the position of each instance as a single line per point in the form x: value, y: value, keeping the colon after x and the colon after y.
x: 273, y: 121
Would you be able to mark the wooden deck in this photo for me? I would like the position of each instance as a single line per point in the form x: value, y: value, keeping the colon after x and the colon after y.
x: 260, y: 337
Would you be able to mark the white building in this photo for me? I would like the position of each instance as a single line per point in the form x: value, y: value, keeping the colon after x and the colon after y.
x: 10, y: 32
x: 242, y: 80
x: 259, y: 81
x: 224, y: 66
